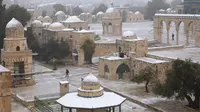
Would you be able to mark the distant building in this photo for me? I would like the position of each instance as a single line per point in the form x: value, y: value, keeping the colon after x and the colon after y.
x: 191, y: 6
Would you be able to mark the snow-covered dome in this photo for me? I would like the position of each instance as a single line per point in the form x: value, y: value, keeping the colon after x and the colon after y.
x: 131, y: 12
x: 111, y: 10
x: 56, y: 26
x: 40, y: 18
x: 36, y: 23
x: 169, y: 9
x: 60, y: 13
x: 162, y: 10
x: 46, y: 25
x: 73, y: 19
x: 91, y: 79
x: 100, y: 13
x: 14, y: 29
x: 47, y: 17
x: 137, y: 12
x: 129, y: 35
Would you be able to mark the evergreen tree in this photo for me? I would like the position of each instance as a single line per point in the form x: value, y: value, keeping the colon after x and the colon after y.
x: 2, y: 19
x: 89, y: 49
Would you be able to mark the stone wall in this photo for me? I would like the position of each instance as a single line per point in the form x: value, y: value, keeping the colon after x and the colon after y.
x: 103, y: 49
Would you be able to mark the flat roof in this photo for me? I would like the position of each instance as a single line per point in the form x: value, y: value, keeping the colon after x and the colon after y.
x: 3, y: 69
x: 151, y: 60
x: 114, y: 58
x: 108, y: 99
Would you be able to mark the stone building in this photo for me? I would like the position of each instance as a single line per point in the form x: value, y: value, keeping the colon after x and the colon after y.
x: 16, y: 56
x: 59, y: 16
x: 47, y: 19
x: 75, y: 23
x: 99, y: 17
x: 91, y: 97
x: 86, y: 17
x: 78, y: 38
x: 134, y: 17
x: 40, y: 18
x: 124, y: 12
x: 112, y: 22
x: 191, y: 6
x: 36, y: 29
x: 5, y: 92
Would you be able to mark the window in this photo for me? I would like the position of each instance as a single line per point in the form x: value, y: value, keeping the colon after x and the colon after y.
x: 17, y: 48
x: 39, y: 34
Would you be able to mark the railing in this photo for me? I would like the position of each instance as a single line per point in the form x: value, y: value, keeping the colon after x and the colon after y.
x: 39, y: 104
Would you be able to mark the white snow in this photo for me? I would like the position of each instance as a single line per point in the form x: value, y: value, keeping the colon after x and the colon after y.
x: 111, y: 10
x: 60, y: 13
x: 162, y: 10
x: 179, y: 15
x: 113, y: 58
x: 56, y: 26
x: 37, y: 23
x: 84, y: 31
x: 99, y: 13
x: 96, y: 90
x: 47, y: 17
x: 91, y: 78
x: 14, y: 24
x: 64, y: 82
x: 40, y: 18
x: 67, y: 29
x: 108, y: 99
x: 137, y: 12
x: 3, y: 69
x: 151, y: 60
x: 128, y: 33
x: 72, y: 19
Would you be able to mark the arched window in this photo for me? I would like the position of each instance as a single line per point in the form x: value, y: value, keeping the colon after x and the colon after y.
x: 3, y: 63
x: 17, y: 48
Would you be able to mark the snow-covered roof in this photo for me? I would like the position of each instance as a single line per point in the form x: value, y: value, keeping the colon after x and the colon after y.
x: 137, y: 12
x: 112, y: 58
x: 40, y: 18
x: 99, y: 13
x: 108, y: 99
x: 73, y: 19
x: 56, y: 26
x: 3, y: 69
x: 169, y: 9
x: 130, y: 12
x: 47, y: 17
x: 46, y: 24
x: 151, y: 60
x: 91, y: 79
x: 179, y: 15
x: 111, y: 10
x: 128, y: 33
x: 13, y: 23
x: 84, y: 31
x: 67, y: 29
x: 36, y: 23
x: 60, y: 13
x: 162, y: 10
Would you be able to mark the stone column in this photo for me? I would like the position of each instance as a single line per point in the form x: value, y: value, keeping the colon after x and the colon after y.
x: 187, y: 37
x: 5, y: 92
x: 197, y: 35
x: 64, y: 87
x: 177, y: 34
x: 167, y: 28
x: 158, y: 33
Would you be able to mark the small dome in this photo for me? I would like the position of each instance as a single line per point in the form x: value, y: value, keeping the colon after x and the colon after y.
x: 111, y: 10
x: 162, y: 10
x: 36, y: 23
x: 91, y: 79
x: 46, y: 25
x: 137, y: 12
x: 40, y: 18
x: 56, y: 26
x: 13, y: 23
x: 128, y: 33
x: 60, y: 13
x: 100, y: 13
x: 130, y: 12
x: 47, y: 17
x: 14, y: 29
x: 73, y: 19
x: 169, y: 9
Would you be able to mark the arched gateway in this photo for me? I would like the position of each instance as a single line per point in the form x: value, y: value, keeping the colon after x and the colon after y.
x: 186, y: 19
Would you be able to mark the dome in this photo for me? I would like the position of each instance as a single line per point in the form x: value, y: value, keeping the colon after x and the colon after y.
x: 162, y: 10
x: 56, y: 26
x: 111, y: 10
x: 169, y: 9
x: 36, y: 23
x: 60, y: 13
x: 137, y: 12
x: 129, y: 35
x: 47, y: 17
x: 14, y: 29
x: 130, y: 12
x: 40, y: 18
x: 99, y: 13
x: 91, y: 79
x: 73, y: 19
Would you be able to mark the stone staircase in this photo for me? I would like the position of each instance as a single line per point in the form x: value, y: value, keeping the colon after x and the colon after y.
x: 93, y: 66
x: 33, y: 109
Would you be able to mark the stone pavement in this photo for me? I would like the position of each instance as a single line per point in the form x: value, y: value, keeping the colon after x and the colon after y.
x: 17, y: 107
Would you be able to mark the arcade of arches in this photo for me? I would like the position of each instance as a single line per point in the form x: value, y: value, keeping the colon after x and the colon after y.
x: 187, y: 20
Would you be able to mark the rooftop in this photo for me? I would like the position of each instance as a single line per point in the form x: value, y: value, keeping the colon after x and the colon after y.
x: 151, y: 60
x: 3, y: 69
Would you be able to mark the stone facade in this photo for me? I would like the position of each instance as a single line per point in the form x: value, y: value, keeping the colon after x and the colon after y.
x: 105, y: 48
x: 16, y: 56
x: 191, y: 7
x: 75, y: 23
x: 86, y: 17
x: 5, y: 92
x: 134, y: 17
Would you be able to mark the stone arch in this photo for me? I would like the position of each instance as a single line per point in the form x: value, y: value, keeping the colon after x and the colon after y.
x: 123, y: 71
x: 179, y: 11
x: 3, y: 63
x: 17, y: 48
x: 124, y: 16
x: 75, y: 54
x: 106, y: 69
x: 110, y: 28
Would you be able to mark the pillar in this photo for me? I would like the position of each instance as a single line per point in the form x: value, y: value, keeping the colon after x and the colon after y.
x: 158, y: 33
x: 120, y: 108
x: 167, y: 28
x: 197, y: 35
x: 177, y: 38
x: 113, y: 108
x: 187, y: 37
x: 64, y: 87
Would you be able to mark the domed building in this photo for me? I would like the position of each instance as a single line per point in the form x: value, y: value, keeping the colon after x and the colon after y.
x: 40, y: 18
x: 91, y: 97
x: 135, y: 17
x: 129, y: 35
x: 60, y: 16
x: 36, y: 28
x: 75, y: 23
x: 99, y: 16
x: 16, y: 56
x: 56, y: 26
x: 86, y: 17
x: 112, y: 22
x: 47, y: 19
